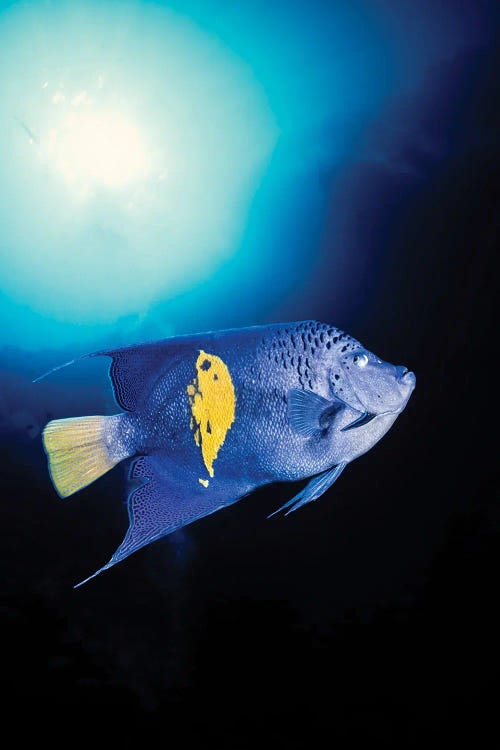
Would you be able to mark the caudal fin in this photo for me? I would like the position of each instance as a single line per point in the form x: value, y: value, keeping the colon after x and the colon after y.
x: 79, y: 451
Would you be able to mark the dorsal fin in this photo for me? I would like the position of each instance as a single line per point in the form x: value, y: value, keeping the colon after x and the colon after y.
x: 135, y: 367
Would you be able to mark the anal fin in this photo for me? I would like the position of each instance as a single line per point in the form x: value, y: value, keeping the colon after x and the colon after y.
x: 158, y: 504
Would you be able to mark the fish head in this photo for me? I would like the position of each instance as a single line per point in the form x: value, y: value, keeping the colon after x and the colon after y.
x: 368, y: 384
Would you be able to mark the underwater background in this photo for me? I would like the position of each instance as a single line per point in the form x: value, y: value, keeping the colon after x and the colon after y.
x: 274, y: 162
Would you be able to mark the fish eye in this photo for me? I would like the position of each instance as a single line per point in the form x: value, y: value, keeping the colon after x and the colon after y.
x: 360, y: 360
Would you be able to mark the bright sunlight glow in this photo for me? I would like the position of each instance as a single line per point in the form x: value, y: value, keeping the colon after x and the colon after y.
x: 97, y: 147
x: 133, y: 144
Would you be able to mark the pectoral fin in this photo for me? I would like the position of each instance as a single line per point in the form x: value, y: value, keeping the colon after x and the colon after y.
x: 309, y: 413
x: 314, y: 489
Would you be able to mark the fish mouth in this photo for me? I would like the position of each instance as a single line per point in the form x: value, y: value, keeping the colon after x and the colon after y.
x: 406, y: 376
x: 409, y: 378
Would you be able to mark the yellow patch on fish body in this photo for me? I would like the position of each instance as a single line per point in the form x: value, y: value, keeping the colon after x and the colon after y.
x: 212, y: 400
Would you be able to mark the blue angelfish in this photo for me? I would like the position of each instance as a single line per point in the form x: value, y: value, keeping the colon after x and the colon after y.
x: 208, y: 418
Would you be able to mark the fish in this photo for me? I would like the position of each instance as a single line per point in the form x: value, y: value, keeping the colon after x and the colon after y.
x: 208, y: 418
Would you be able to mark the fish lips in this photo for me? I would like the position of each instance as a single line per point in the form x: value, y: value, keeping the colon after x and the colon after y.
x: 408, y: 378
x: 406, y: 381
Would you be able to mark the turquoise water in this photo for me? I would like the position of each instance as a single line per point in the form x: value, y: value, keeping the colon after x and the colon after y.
x: 164, y: 165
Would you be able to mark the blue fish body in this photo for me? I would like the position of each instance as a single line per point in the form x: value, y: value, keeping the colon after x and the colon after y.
x: 209, y: 418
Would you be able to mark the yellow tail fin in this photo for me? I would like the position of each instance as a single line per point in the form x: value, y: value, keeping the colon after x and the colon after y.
x: 78, y: 451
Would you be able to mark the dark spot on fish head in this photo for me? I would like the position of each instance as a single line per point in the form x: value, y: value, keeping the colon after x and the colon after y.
x: 209, y: 428
x: 206, y: 364
x: 336, y: 376
x: 216, y: 377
